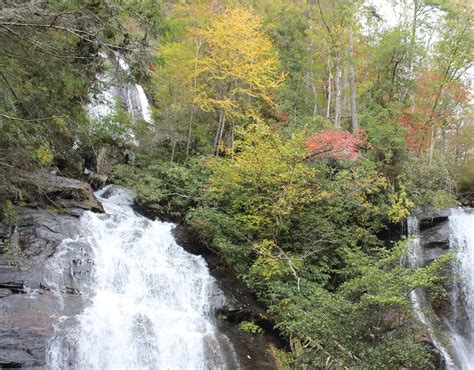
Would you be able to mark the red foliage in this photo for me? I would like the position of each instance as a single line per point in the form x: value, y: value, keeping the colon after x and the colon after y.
x: 336, y: 144
x: 417, y: 120
x: 433, y: 104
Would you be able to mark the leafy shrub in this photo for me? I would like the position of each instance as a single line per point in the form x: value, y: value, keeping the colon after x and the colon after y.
x: 169, y: 189
x: 251, y: 327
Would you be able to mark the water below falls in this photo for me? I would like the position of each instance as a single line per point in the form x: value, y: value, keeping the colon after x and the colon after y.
x: 461, y: 222
x: 457, y: 345
x: 417, y: 296
x: 149, y: 304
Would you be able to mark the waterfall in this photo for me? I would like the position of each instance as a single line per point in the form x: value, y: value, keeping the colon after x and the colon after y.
x: 415, y: 258
x: 150, y: 304
x: 461, y: 222
x: 131, y: 95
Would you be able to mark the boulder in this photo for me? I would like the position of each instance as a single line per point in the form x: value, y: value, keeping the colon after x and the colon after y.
x: 56, y: 191
x: 98, y: 181
x: 108, y: 157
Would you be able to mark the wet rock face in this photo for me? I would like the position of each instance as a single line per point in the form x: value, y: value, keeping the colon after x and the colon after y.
x: 432, y: 217
x: 434, y: 234
x: 107, y: 158
x: 28, y: 304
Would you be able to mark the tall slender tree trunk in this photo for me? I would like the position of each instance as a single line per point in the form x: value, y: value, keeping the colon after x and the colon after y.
x: 330, y: 78
x: 413, y: 33
x: 415, y: 20
x: 219, y: 132
x: 193, y: 106
x: 337, y: 115
x: 457, y: 149
x: 310, y: 49
x: 443, y: 139
x: 216, y: 137
x: 354, y: 123
x: 432, y: 145
x: 312, y: 84
x: 343, y: 91
x: 232, y: 133
x: 173, y: 151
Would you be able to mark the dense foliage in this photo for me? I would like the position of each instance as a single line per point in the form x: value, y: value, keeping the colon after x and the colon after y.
x: 294, y: 202
x: 288, y: 134
x: 49, y: 63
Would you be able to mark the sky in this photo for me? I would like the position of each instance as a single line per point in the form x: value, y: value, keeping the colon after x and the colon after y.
x: 387, y: 11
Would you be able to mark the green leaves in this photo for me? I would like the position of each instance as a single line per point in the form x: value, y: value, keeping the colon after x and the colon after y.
x: 166, y: 189
x: 263, y: 180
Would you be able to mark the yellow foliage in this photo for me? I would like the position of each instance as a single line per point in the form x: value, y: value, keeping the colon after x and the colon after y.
x: 44, y: 155
x: 264, y: 179
x: 401, y: 205
x: 240, y: 65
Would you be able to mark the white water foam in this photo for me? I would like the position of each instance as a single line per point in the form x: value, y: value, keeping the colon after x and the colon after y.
x: 461, y: 224
x: 131, y: 95
x: 151, y: 303
x: 416, y: 296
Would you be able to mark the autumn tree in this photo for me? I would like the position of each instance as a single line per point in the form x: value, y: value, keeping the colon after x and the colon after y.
x: 239, y: 72
x: 336, y: 144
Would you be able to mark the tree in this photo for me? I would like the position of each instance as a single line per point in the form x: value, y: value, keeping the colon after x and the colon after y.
x: 336, y: 144
x: 239, y: 72
x: 173, y: 84
x: 49, y: 65
x: 263, y: 179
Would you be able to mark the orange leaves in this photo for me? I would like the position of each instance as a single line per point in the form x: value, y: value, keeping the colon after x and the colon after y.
x: 336, y: 144
x: 434, y: 104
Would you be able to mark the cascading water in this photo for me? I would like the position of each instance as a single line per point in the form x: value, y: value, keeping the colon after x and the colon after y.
x: 417, y: 296
x: 130, y: 95
x: 150, y: 303
x: 461, y: 222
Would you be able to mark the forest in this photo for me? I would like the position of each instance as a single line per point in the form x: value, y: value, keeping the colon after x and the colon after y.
x: 293, y: 137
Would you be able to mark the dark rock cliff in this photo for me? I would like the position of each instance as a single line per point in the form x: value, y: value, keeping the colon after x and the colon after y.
x: 28, y: 307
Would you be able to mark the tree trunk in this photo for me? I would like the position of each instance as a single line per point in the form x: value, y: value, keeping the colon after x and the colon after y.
x: 330, y: 78
x: 413, y: 33
x: 219, y: 132
x: 216, y: 137
x: 432, y: 145
x: 443, y: 142
x: 343, y: 91
x: 173, y: 151
x: 337, y: 114
x: 354, y: 123
x: 415, y: 20
x: 314, y: 91
x: 193, y: 106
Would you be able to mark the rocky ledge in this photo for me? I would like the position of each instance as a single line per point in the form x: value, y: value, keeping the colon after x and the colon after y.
x: 434, y: 233
x: 28, y: 305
